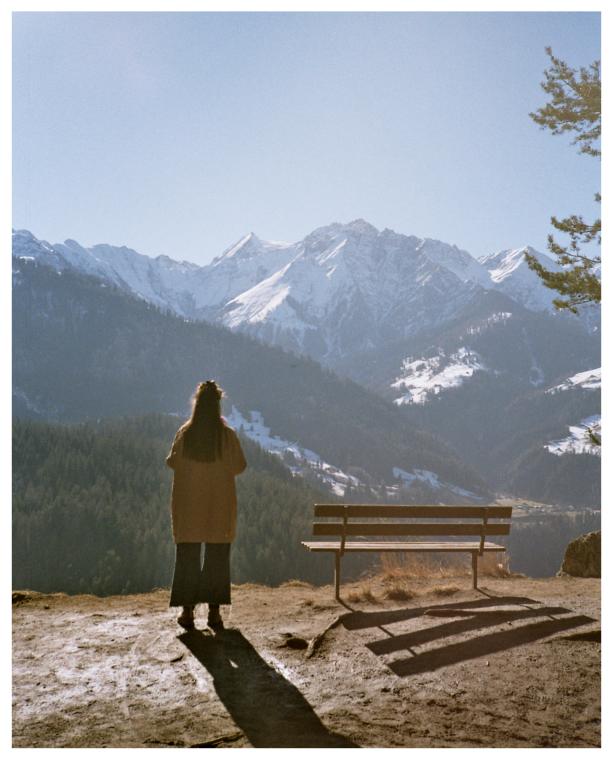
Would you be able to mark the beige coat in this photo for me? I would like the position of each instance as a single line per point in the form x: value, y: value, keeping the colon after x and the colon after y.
x: 203, y: 502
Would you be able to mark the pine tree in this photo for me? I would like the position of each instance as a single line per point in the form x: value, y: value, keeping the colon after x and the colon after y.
x: 574, y: 106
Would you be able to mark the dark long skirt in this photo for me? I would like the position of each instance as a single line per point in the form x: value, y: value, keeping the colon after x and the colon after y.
x: 193, y: 583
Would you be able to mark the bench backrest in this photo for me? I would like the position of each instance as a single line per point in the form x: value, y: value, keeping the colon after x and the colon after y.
x: 479, y: 520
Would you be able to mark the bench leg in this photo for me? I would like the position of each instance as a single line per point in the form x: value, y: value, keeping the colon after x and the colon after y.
x: 474, y: 569
x: 337, y: 574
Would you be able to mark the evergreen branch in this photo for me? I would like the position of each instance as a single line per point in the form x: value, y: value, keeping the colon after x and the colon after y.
x: 579, y: 284
x: 574, y: 104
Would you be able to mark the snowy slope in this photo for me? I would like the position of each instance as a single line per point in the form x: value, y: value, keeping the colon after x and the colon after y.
x: 578, y: 442
x: 425, y: 377
x: 297, y: 458
x: 509, y: 272
x: 347, y: 287
x: 160, y: 281
x: 460, y: 262
x: 589, y: 380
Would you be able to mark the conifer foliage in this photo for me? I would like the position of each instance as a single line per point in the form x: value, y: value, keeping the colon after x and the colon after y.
x: 573, y: 106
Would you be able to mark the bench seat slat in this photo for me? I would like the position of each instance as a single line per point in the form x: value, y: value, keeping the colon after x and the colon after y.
x: 410, y: 529
x: 398, y: 546
x: 398, y: 510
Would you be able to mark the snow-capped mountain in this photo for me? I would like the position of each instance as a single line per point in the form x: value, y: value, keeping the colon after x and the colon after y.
x: 342, y: 289
x: 413, y: 320
x: 160, y: 281
x: 508, y: 270
x: 346, y: 287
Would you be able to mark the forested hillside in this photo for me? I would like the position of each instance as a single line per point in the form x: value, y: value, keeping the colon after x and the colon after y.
x: 91, y: 510
x: 84, y: 350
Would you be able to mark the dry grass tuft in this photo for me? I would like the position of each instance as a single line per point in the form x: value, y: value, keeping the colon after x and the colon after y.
x: 445, y: 590
x: 399, y: 592
x: 362, y: 594
x: 418, y: 566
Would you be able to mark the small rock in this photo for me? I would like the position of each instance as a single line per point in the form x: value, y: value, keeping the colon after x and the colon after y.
x: 292, y: 641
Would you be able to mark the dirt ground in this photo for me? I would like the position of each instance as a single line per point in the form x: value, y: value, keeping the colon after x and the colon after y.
x: 515, y: 664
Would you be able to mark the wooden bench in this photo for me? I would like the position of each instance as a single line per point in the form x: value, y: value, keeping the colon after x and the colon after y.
x: 468, y: 521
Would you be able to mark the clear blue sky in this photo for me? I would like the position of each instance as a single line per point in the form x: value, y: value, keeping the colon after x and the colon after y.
x: 177, y: 133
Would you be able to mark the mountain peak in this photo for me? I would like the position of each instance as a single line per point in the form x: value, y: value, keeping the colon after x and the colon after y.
x: 502, y: 263
x: 362, y: 226
x: 23, y: 234
x: 70, y: 243
x: 243, y: 248
x: 357, y: 226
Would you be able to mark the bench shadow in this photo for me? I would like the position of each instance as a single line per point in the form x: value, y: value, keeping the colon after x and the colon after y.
x: 265, y: 706
x: 467, y: 616
x: 360, y: 619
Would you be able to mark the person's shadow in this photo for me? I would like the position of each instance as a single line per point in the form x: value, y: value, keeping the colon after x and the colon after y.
x: 267, y: 708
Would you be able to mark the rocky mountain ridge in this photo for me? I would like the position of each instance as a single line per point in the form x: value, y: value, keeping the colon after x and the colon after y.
x: 343, y: 288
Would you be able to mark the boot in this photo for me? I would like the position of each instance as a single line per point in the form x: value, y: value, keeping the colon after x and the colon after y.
x: 214, y: 619
x: 186, y: 618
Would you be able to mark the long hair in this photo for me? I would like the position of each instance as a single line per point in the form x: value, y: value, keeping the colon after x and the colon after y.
x: 203, y: 433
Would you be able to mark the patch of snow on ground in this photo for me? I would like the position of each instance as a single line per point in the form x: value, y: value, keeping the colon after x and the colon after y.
x: 301, y: 459
x: 578, y: 442
x: 431, y: 479
x: 422, y: 377
x: 499, y: 316
x: 590, y: 380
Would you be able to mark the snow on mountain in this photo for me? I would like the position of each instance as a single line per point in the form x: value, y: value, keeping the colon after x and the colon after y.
x: 460, y: 262
x: 425, y: 377
x: 590, y: 380
x: 495, y: 318
x: 578, y: 442
x: 432, y: 480
x: 509, y: 272
x: 29, y: 248
x: 161, y: 281
x: 349, y: 286
x: 298, y: 459
x: 239, y: 268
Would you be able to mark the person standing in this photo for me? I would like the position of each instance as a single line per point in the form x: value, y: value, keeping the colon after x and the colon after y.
x: 206, y: 455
